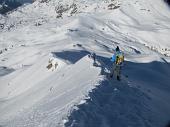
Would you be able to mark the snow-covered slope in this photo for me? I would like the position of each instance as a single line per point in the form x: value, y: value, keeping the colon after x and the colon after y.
x: 66, y: 32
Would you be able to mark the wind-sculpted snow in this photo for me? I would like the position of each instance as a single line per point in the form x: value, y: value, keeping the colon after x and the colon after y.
x: 5, y: 71
x: 113, y: 104
x: 48, y: 78
x: 129, y: 102
x: 52, y: 96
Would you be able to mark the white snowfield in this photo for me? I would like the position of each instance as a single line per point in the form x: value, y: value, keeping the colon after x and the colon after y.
x: 48, y: 80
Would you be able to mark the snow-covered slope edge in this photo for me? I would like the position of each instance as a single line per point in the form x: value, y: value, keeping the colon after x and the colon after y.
x: 31, y: 95
x: 49, y: 98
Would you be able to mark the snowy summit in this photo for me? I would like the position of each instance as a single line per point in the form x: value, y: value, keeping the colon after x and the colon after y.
x: 85, y: 63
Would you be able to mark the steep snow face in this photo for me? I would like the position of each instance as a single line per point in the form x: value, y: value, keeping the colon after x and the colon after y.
x: 45, y: 69
x: 152, y: 23
x: 52, y: 94
x: 8, y: 5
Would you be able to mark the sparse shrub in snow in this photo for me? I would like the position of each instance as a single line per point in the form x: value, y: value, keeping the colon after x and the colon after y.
x: 61, y: 8
x: 1, y: 26
x: 52, y: 64
x: 73, y: 9
x: 112, y: 6
x: 44, y: 1
x: 38, y: 24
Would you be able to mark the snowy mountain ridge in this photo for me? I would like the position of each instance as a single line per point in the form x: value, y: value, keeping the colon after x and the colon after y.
x: 57, y: 9
x: 47, y: 78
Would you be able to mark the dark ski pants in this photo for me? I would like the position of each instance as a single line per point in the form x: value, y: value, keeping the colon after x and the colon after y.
x: 116, y: 70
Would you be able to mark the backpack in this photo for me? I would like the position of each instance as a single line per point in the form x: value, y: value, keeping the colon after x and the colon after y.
x: 119, y: 58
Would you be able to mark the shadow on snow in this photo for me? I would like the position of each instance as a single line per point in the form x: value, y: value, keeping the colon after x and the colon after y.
x: 72, y: 56
x: 5, y: 71
x: 121, y: 104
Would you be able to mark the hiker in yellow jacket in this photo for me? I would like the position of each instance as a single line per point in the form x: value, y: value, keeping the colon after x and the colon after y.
x: 117, y: 59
